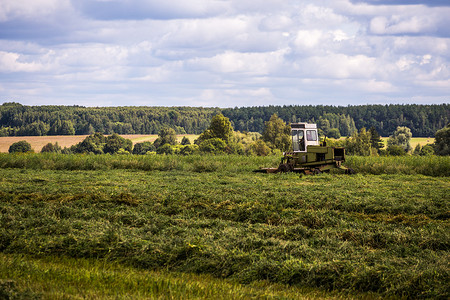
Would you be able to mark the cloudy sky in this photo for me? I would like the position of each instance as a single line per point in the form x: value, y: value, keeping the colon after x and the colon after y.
x: 224, y: 53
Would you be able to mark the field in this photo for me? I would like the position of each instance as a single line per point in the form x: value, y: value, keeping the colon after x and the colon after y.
x: 207, y: 227
x: 37, y: 142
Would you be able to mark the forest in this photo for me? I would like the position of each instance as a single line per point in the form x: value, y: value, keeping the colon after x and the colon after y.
x: 21, y: 120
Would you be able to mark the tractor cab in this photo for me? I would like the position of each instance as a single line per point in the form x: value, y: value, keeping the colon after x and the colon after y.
x: 303, y: 135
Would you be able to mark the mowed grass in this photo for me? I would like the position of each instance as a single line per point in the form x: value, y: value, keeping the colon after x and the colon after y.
x: 37, y: 142
x: 56, y: 277
x: 351, y: 236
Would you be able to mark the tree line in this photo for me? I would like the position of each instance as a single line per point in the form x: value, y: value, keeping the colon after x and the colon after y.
x: 333, y: 121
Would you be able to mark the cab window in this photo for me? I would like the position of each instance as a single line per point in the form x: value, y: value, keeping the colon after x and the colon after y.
x: 311, y: 135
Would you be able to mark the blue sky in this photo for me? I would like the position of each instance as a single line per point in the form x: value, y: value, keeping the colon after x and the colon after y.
x: 224, y: 53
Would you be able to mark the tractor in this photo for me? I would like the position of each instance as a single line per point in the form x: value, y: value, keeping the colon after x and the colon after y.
x: 308, y: 155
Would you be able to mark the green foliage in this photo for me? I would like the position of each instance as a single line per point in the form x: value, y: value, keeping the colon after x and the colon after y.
x: 185, y: 141
x: 64, y: 127
x: 395, y: 150
x: 442, y: 141
x: 165, y: 149
x: 166, y: 136
x: 16, y: 119
x: 375, y: 139
x: 277, y: 134
x: 219, y: 128
x: 359, y: 143
x: 213, y: 145
x: 259, y: 148
x: 401, y: 137
x: 334, y: 133
x: 189, y: 149
x: 115, y: 143
x: 92, y: 144
x: 20, y: 146
x: 427, y: 150
x: 143, y: 148
x: 55, y: 148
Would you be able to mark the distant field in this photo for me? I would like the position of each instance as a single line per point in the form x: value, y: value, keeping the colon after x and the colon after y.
x: 37, y: 142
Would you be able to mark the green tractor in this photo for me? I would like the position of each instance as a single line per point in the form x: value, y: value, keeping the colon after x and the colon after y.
x: 308, y: 155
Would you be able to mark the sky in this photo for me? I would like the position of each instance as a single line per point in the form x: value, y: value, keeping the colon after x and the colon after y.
x: 224, y: 53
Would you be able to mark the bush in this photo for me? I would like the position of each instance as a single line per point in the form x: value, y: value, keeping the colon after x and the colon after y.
x: 115, y: 142
x: 21, y: 146
x: 189, y: 150
x: 259, y: 148
x: 185, y: 141
x: 395, y: 150
x: 214, y: 145
x: 143, y: 148
x: 165, y: 149
x: 51, y: 148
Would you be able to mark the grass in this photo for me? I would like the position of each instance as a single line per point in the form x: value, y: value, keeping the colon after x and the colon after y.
x: 62, y: 278
x: 429, y: 165
x: 363, y: 235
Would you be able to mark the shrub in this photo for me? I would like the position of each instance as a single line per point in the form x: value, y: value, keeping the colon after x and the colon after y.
x: 395, y: 150
x: 143, y: 148
x: 259, y: 148
x: 165, y: 149
x: 115, y: 142
x: 185, y: 141
x: 214, y: 145
x: 189, y: 149
x: 51, y: 148
x: 21, y: 146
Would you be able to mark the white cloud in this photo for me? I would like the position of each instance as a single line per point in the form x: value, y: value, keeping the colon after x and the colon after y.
x: 13, y: 62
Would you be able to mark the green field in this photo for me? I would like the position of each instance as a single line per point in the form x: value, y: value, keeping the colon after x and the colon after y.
x: 207, y: 227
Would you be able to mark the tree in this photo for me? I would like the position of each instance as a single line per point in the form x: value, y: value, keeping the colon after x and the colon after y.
x: 375, y: 139
x: 214, y: 145
x: 220, y: 127
x: 359, y: 143
x: 21, y: 147
x: 91, y: 144
x: 401, y: 137
x: 259, y: 148
x: 55, y: 148
x: 334, y: 133
x: 277, y: 134
x: 166, y: 136
x: 165, y: 149
x: 442, y: 141
x: 427, y: 150
x: 185, y: 141
x: 114, y: 143
x: 143, y: 148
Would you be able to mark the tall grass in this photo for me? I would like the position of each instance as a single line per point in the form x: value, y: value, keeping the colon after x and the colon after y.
x: 196, y: 163
x: 425, y: 165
